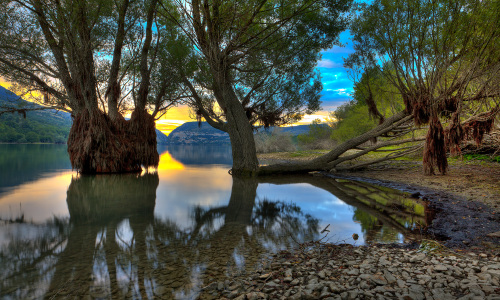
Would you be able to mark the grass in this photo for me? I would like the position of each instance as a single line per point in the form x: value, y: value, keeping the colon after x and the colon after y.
x: 484, y: 157
x: 307, y: 153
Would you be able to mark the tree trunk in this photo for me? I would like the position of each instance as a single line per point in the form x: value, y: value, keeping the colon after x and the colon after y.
x: 245, y: 162
x: 96, y: 144
x: 332, y: 158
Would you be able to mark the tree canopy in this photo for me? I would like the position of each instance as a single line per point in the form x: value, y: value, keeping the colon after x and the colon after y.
x: 443, y: 59
x: 256, y: 63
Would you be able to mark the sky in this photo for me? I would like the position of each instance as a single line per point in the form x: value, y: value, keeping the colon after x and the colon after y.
x: 336, y: 88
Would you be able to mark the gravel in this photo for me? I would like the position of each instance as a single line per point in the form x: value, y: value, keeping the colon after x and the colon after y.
x: 327, y: 271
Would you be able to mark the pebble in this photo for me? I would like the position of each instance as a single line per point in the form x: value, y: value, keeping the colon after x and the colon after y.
x: 368, y: 272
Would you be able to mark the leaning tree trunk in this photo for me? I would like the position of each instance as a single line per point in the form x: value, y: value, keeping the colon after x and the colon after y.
x: 97, y: 144
x: 331, y: 160
x: 245, y: 162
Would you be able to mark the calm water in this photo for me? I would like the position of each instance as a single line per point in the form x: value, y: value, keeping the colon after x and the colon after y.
x: 168, y: 233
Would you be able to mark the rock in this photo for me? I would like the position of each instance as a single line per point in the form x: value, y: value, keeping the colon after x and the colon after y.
x: 389, y: 277
x: 353, y: 272
x: 379, y: 279
x: 495, y: 273
x: 440, y: 268
x: 417, y: 258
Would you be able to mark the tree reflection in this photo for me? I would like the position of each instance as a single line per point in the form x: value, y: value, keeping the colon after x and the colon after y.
x: 383, y: 213
x: 113, y: 246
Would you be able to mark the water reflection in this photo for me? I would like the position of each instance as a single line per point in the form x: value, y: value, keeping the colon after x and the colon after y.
x: 112, y: 244
x: 385, y: 215
x: 24, y: 163
x: 170, y: 233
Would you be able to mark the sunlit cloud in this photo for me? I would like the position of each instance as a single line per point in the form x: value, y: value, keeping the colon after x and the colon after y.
x: 174, y: 118
x: 5, y: 83
x: 307, y: 119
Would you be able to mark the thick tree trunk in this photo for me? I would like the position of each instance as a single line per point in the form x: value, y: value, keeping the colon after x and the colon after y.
x: 96, y: 144
x: 245, y: 162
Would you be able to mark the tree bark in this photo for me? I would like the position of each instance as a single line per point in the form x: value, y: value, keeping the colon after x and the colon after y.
x: 96, y: 144
x: 245, y: 162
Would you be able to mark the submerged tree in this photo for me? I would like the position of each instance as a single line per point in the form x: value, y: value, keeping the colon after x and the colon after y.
x: 255, y: 63
x: 98, y: 60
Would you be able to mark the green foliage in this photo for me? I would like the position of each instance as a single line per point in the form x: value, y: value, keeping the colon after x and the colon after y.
x: 318, y: 136
x: 485, y: 157
x: 353, y: 120
x: 15, y: 129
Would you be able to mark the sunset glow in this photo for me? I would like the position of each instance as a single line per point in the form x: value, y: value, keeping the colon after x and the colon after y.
x: 167, y: 162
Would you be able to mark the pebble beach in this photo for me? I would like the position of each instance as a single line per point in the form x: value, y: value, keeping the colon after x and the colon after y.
x: 328, y: 271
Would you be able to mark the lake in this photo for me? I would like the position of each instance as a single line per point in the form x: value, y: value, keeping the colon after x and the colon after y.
x: 172, y: 231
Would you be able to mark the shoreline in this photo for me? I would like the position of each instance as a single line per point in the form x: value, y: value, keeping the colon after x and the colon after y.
x: 464, y: 264
x: 449, y: 269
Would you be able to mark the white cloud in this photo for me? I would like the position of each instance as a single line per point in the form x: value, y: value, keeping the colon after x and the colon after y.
x: 328, y: 64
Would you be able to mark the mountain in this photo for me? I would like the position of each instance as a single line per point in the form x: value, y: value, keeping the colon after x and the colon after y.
x: 48, y: 126
x: 161, y: 138
x: 191, y: 133
x: 292, y: 130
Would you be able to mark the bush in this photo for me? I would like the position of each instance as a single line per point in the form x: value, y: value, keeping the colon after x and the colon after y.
x: 318, y: 137
x: 274, y: 141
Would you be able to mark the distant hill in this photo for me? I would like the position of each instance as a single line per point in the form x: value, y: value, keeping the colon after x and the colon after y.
x: 191, y: 133
x: 161, y: 138
x: 293, y: 130
x: 45, y: 126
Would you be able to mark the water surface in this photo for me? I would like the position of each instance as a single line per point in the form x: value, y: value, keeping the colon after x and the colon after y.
x: 169, y: 232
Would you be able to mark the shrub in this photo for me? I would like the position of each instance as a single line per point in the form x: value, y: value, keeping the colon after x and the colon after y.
x: 274, y: 141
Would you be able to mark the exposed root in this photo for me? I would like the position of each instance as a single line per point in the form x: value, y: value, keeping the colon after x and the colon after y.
x: 435, y: 150
x: 98, y: 145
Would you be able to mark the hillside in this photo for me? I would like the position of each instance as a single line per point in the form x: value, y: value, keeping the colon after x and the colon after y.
x: 43, y: 126
x: 191, y: 133
x: 46, y: 126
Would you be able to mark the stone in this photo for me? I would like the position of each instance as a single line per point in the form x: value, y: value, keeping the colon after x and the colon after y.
x: 389, y: 277
x: 353, y: 272
x: 494, y: 234
x: 417, y: 258
x: 379, y: 279
x: 440, y: 268
x: 493, y: 272
x: 295, y: 282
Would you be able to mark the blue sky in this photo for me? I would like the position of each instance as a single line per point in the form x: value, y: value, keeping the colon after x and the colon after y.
x: 337, y: 86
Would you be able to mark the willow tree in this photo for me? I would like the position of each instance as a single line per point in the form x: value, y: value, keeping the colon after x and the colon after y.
x: 98, y: 60
x: 255, y: 63
x: 443, y: 59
